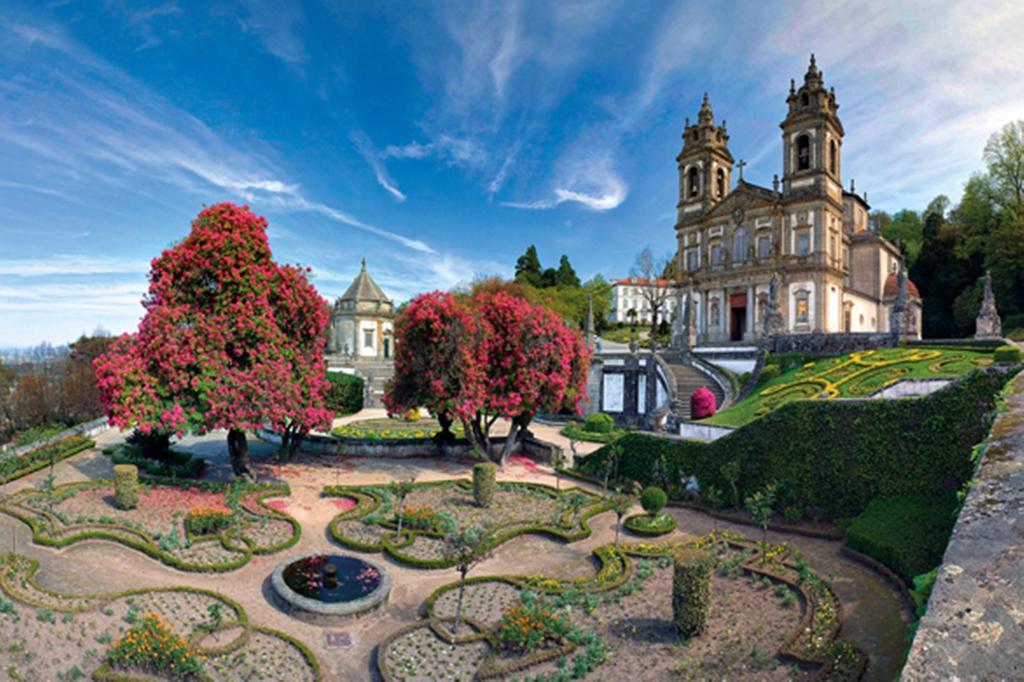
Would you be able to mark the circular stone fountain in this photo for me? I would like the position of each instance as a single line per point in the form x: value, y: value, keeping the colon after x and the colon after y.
x: 317, y: 585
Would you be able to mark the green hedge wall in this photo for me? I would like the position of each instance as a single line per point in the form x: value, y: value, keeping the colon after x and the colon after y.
x: 836, y: 456
x: 12, y: 468
x: 345, y: 395
x: 907, y: 534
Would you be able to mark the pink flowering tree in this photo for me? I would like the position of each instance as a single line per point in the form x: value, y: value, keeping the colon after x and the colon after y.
x: 230, y: 339
x: 434, y: 366
x: 497, y: 357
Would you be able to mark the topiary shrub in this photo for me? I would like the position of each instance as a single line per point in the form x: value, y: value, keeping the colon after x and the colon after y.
x: 155, y: 444
x: 653, y: 499
x: 702, y: 403
x: 769, y: 372
x: 484, y: 483
x: 1007, y: 354
x: 599, y: 423
x: 345, y: 396
x: 126, y: 486
x: 691, y: 591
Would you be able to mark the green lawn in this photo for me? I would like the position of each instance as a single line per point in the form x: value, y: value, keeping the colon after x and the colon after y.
x: 856, y: 375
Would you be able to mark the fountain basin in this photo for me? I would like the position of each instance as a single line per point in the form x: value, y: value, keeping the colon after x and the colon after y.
x: 320, y: 587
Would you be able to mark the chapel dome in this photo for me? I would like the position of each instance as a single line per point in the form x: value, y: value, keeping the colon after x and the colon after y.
x: 892, y: 287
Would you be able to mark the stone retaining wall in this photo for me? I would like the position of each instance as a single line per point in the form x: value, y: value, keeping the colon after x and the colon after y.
x: 89, y: 429
x: 703, y: 432
x: 818, y: 343
x: 974, y: 626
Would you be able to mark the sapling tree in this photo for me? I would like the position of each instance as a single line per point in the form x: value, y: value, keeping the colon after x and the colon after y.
x: 731, y: 473
x: 465, y: 548
x: 558, y: 462
x: 621, y: 504
x: 400, y: 490
x: 761, y: 505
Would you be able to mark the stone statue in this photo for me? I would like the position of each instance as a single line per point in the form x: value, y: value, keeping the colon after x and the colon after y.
x: 773, y: 325
x: 588, y: 325
x: 902, y: 324
x: 988, y: 325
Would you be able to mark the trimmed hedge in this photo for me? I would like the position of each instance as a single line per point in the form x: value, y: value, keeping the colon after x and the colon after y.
x: 484, y: 483
x: 599, y: 423
x: 345, y: 396
x: 175, y: 464
x: 691, y: 591
x: 14, y: 468
x: 126, y: 486
x: 907, y: 534
x: 836, y: 456
x: 1006, y: 354
x: 651, y: 526
x: 653, y: 499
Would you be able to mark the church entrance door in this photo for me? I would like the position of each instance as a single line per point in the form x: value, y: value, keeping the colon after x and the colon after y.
x: 737, y: 317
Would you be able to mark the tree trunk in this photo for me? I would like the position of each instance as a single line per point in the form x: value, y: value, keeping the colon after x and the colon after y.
x: 519, y: 426
x: 238, y: 449
x: 463, y: 570
x: 477, y: 436
x: 401, y: 506
x: 618, y: 525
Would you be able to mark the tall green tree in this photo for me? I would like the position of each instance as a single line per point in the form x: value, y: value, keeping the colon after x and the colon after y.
x: 528, y: 268
x: 1004, y: 158
x: 907, y: 228
x: 565, y: 276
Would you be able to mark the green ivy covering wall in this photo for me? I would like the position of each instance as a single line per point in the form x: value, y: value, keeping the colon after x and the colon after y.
x: 836, y: 456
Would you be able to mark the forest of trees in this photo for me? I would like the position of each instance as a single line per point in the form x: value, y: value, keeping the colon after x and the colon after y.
x: 50, y: 388
x: 558, y: 288
x: 948, y: 248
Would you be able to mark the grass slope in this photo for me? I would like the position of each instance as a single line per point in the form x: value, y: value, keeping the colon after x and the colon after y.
x: 856, y: 375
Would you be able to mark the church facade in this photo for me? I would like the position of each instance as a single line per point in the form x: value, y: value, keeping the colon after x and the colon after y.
x: 832, y: 272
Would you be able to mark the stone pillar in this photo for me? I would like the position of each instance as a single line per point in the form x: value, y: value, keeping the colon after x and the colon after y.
x: 748, y: 331
x: 595, y: 377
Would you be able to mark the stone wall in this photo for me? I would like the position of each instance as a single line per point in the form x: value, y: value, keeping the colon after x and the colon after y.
x: 818, y: 343
x: 974, y: 626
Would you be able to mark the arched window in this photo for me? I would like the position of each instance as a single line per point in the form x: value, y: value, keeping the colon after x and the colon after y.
x: 803, y: 152
x: 804, y: 99
x: 721, y: 183
x: 833, y: 157
x: 740, y: 244
x: 693, y: 182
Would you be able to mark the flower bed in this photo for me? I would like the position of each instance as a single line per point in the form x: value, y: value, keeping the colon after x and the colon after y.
x: 645, y: 524
x: 518, y: 508
x: 392, y: 429
x: 202, y: 527
x: 171, y: 633
x: 620, y: 621
x: 16, y: 466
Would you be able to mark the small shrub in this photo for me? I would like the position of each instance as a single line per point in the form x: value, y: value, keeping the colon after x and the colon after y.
x: 769, y: 372
x: 691, y: 591
x: 484, y: 483
x: 154, y: 445
x: 702, y: 403
x: 599, y: 423
x: 411, y: 415
x: 653, y: 499
x: 207, y: 520
x: 345, y: 396
x: 126, y: 486
x: 526, y: 628
x: 152, y: 646
x: 419, y: 518
x: 1007, y: 354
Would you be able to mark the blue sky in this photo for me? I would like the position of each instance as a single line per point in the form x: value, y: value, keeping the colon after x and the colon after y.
x: 438, y: 140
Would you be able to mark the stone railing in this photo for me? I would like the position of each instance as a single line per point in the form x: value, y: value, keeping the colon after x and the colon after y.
x: 974, y: 626
x: 90, y: 428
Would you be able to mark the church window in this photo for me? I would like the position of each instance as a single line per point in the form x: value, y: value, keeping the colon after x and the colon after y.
x: 692, y: 260
x: 803, y: 307
x: 721, y: 183
x: 804, y: 99
x: 740, y: 244
x: 368, y: 339
x: 803, y: 242
x: 832, y: 247
x: 803, y: 152
x: 693, y: 182
x: 764, y: 246
x: 833, y: 157
x: 716, y: 254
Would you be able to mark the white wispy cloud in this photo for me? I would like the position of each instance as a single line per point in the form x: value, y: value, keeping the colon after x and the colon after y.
x: 71, y: 264
x: 277, y: 25
x: 368, y: 151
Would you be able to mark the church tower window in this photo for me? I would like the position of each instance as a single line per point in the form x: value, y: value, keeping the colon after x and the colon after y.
x: 833, y: 157
x: 721, y: 183
x: 693, y: 182
x: 803, y: 152
x: 764, y: 246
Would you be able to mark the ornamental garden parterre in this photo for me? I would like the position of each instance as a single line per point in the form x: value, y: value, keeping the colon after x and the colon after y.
x: 802, y: 546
